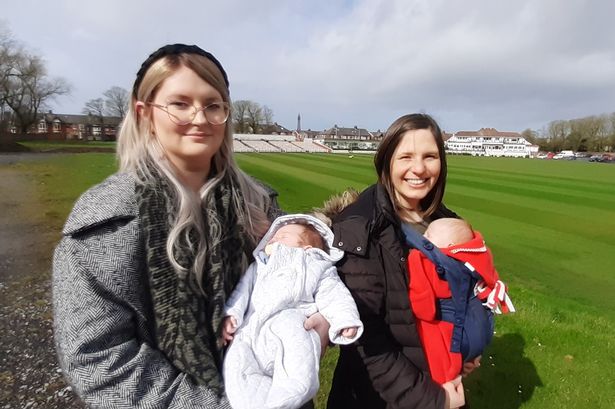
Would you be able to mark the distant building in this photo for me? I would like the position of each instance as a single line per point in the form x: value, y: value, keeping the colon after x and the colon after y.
x: 356, y: 138
x: 346, y: 133
x: 275, y: 129
x: 74, y: 127
x: 490, y: 142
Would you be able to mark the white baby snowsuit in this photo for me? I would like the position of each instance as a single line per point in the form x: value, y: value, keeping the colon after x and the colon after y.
x: 273, y: 361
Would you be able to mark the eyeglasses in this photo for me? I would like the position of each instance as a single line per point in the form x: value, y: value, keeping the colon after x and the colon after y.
x: 183, y: 113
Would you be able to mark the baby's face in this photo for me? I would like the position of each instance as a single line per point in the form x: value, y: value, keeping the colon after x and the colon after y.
x: 294, y: 235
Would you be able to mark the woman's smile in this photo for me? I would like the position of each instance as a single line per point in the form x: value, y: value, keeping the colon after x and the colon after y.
x: 415, y: 182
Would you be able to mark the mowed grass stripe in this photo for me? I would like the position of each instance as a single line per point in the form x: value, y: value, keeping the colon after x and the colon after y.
x: 501, y: 205
x: 596, y: 177
x: 542, y: 182
x: 293, y: 196
x: 335, y: 165
x: 522, y: 167
x: 299, y: 189
x: 309, y: 172
x: 549, y: 260
x: 571, y: 195
x: 595, y: 172
x: 592, y: 213
x: 359, y: 164
x: 585, y: 211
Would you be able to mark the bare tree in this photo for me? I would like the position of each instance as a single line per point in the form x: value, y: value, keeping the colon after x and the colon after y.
x: 611, y: 131
x: 250, y: 116
x: 96, y: 109
x: 267, y: 115
x: 254, y: 117
x: 24, y: 84
x: 27, y: 89
x: 240, y: 109
x: 558, y: 131
x: 530, y: 135
x: 6, y: 67
x: 587, y: 131
x: 116, y: 101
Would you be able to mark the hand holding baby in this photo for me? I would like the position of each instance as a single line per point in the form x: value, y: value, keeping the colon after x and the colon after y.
x: 229, y: 326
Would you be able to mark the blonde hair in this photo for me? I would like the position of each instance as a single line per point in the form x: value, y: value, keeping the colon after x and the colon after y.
x: 138, y: 150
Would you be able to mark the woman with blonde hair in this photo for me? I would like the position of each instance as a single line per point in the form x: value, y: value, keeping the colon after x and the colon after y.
x: 149, y: 256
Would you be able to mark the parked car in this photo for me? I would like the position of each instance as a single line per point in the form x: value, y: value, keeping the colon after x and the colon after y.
x: 595, y: 158
x: 565, y: 155
x: 605, y: 158
x: 582, y: 154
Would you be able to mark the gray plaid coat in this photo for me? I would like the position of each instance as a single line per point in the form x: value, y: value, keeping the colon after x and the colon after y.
x: 103, y: 319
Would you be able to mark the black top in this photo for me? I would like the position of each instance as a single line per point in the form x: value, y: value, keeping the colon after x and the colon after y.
x: 386, y: 367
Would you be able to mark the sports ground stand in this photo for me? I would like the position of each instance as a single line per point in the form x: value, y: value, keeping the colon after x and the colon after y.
x: 276, y: 143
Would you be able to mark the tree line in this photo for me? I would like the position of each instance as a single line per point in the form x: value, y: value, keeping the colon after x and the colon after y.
x: 25, y: 86
x: 595, y: 133
x: 114, y: 103
x: 251, y: 117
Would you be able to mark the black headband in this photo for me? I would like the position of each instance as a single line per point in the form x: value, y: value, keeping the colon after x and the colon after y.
x: 174, y: 49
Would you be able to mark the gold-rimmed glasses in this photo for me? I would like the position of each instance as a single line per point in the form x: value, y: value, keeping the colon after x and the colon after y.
x: 183, y: 113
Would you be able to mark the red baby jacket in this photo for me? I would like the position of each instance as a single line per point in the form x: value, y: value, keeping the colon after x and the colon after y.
x: 426, y: 287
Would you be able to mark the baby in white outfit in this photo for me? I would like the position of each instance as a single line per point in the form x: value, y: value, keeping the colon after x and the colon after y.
x: 272, y: 361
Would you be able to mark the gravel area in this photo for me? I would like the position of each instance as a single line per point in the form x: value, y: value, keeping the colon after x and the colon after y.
x: 29, y: 374
x: 11, y: 158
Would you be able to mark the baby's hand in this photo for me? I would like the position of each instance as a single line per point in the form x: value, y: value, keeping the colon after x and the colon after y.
x: 349, y: 332
x: 229, y: 326
x: 269, y: 249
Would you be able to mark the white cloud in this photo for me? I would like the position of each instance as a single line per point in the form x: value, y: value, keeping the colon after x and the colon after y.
x: 491, y: 59
x: 509, y: 65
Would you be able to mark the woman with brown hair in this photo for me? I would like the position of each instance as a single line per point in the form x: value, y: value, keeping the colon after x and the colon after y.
x: 386, y: 367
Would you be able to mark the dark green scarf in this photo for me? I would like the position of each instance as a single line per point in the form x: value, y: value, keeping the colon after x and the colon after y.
x: 188, y: 319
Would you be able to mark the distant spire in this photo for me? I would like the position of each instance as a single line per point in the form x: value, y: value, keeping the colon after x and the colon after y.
x: 299, y: 122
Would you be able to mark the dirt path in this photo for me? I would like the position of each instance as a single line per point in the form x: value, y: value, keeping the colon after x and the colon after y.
x: 29, y: 374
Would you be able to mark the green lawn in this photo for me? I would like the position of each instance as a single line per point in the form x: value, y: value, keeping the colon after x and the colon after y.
x: 550, y: 224
x: 56, y: 145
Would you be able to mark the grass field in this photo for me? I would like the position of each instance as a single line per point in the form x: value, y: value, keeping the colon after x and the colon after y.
x: 551, y: 226
x: 58, y: 145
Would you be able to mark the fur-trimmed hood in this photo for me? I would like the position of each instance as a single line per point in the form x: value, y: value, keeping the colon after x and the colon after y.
x: 335, y: 204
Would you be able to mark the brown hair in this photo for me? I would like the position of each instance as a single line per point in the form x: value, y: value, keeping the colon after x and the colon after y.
x: 313, y: 236
x: 391, y: 140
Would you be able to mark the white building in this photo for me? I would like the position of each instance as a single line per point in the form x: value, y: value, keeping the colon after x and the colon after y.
x: 490, y: 142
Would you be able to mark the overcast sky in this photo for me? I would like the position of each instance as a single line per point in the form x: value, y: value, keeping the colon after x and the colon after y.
x: 471, y: 63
